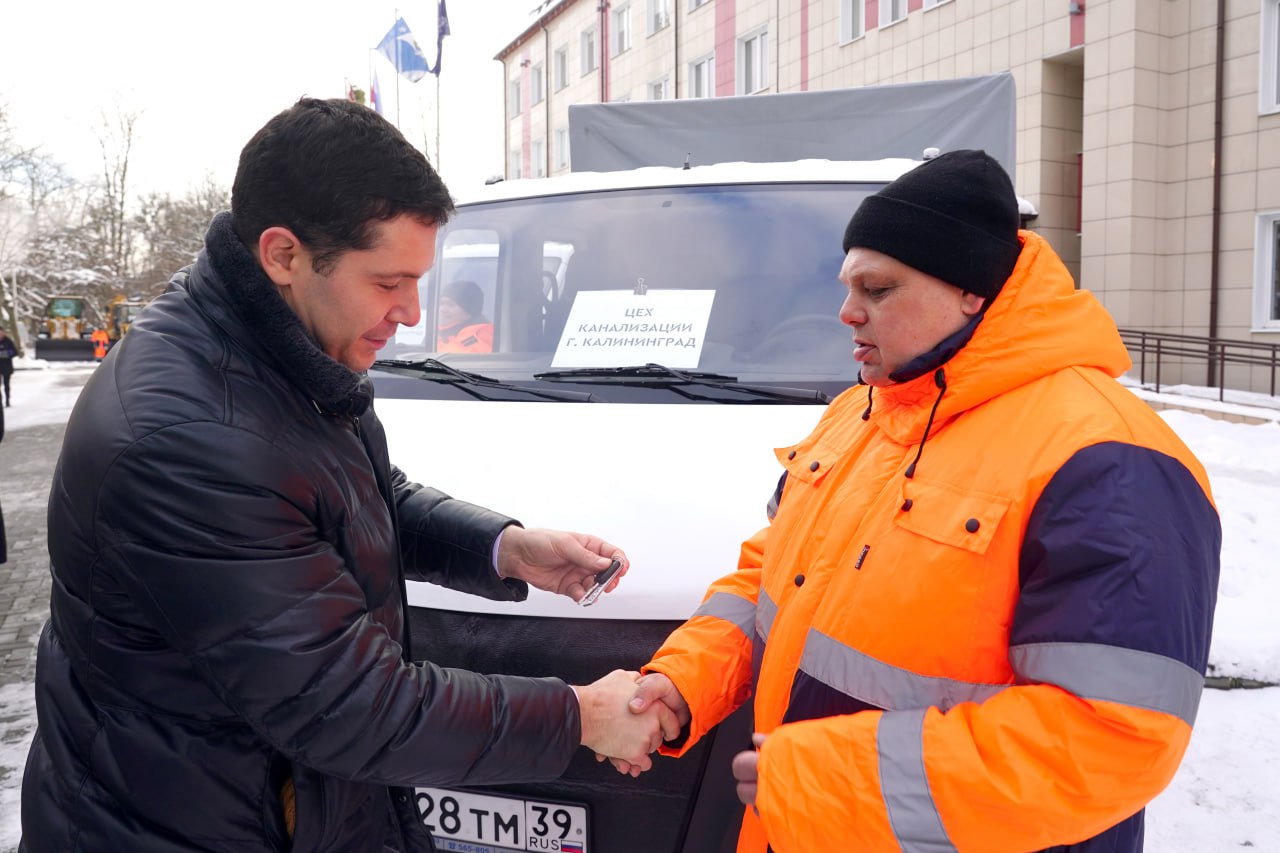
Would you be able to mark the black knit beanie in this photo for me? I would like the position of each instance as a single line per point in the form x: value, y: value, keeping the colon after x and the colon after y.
x: 468, y: 296
x: 954, y: 217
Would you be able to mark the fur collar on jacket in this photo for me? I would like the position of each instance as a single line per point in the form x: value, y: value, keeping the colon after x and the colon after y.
x: 335, y: 388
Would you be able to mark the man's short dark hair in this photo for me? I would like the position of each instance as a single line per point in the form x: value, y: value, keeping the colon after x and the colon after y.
x: 329, y: 171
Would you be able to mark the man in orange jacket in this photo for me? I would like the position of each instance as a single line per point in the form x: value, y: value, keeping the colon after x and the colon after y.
x: 462, y: 326
x: 979, y: 617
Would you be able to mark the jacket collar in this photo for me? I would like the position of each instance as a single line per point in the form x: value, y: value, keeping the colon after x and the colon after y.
x: 1037, y: 325
x: 228, y: 276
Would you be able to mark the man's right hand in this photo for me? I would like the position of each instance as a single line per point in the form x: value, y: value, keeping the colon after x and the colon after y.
x: 613, y: 728
x: 652, y: 690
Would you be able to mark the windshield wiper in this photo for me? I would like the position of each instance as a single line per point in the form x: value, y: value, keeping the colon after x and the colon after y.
x: 478, y: 386
x: 672, y: 379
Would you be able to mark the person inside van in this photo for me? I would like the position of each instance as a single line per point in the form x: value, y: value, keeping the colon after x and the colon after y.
x: 979, y: 617
x: 461, y: 325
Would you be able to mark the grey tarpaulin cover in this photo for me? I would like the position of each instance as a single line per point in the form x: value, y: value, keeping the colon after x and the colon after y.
x: 867, y: 123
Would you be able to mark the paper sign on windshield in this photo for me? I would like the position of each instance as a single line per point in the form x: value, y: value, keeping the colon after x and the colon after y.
x: 620, y: 328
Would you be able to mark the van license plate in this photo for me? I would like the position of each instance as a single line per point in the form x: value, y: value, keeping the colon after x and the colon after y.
x: 468, y: 822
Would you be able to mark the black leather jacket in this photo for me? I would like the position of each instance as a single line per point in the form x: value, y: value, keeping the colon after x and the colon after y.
x: 229, y: 543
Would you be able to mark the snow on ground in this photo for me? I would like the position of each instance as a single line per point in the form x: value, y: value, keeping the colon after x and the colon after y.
x: 1223, y: 797
x: 44, y: 391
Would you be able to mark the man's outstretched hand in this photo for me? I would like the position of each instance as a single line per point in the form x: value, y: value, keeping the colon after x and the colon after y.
x: 557, y: 560
x: 652, y: 691
x: 613, y: 729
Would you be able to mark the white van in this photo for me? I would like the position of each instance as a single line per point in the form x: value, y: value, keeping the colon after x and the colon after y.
x: 656, y: 333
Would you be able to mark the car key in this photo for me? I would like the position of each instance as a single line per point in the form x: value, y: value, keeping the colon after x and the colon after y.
x: 602, y: 580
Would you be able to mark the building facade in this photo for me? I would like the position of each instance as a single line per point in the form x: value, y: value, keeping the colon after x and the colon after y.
x: 1148, y: 131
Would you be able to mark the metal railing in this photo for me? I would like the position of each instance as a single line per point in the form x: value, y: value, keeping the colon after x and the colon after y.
x: 1214, y: 353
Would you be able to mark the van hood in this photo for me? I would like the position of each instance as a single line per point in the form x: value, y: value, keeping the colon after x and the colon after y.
x: 678, y: 487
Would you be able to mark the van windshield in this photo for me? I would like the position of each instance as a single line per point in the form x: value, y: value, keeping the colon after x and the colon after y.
x: 739, y: 280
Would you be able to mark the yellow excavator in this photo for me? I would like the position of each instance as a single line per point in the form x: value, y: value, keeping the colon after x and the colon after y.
x: 121, y: 312
x: 64, y: 333
x: 67, y: 334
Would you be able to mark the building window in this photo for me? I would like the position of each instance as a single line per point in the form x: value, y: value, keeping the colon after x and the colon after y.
x: 853, y: 14
x: 1266, y: 304
x: 536, y: 79
x: 588, y: 50
x: 892, y: 11
x: 694, y: 4
x: 659, y: 15
x: 513, y: 165
x: 753, y: 60
x: 560, y: 68
x: 929, y: 4
x: 1269, y: 90
x: 702, y: 76
x: 560, y: 147
x: 538, y: 156
x: 513, y: 99
x: 621, y: 29
x: 660, y: 90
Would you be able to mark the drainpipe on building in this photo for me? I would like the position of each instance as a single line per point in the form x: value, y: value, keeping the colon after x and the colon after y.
x: 548, y: 69
x: 675, y: 50
x: 506, y: 122
x: 1216, y: 227
x: 603, y: 8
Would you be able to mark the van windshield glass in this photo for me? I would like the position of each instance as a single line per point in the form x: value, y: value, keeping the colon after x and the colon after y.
x: 509, y: 274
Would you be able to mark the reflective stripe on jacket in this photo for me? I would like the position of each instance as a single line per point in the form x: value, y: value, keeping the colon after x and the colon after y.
x: 1002, y: 651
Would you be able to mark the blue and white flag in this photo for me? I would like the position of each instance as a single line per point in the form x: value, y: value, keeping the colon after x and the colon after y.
x: 442, y: 30
x: 400, y: 49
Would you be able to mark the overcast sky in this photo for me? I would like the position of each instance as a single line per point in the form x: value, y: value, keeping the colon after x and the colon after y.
x: 203, y: 77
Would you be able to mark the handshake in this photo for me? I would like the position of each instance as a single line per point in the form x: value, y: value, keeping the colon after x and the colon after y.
x: 626, y: 716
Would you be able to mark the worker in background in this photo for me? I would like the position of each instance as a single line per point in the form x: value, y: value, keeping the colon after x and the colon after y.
x: 461, y: 325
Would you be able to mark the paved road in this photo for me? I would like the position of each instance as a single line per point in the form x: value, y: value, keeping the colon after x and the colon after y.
x: 27, y: 459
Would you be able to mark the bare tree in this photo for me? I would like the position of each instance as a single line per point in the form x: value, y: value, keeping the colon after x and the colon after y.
x: 107, y: 214
x: 171, y: 231
x: 13, y: 157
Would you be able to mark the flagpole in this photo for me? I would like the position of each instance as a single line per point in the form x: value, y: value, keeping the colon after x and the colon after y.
x: 437, y: 114
x: 395, y: 26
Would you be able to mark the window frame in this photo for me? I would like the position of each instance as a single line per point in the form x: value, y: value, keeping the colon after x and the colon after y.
x: 620, y: 29
x: 588, y: 50
x: 1269, y: 59
x: 513, y: 99
x: 537, y: 158
x: 515, y: 164
x: 697, y: 4
x: 853, y: 20
x: 560, y: 148
x: 1266, y: 276
x: 709, y: 60
x: 664, y: 82
x: 537, y: 84
x: 560, y: 68
x: 886, y: 12
x: 654, y: 8
x: 760, y: 35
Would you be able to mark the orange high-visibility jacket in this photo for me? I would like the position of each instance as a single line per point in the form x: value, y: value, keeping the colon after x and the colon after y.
x: 473, y: 337
x: 990, y: 637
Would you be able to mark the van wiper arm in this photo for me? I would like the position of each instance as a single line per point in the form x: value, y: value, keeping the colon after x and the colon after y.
x: 660, y: 374
x: 478, y: 386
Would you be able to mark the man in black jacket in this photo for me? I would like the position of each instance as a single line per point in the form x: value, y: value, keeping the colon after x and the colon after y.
x: 226, y: 664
